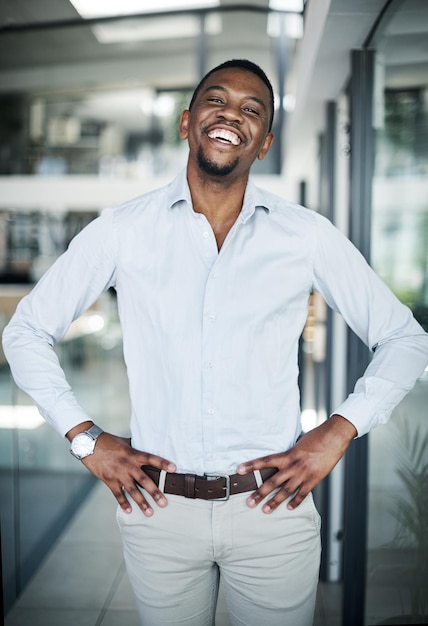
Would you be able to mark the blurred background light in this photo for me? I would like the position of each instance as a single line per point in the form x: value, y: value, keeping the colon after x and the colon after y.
x: 104, y: 8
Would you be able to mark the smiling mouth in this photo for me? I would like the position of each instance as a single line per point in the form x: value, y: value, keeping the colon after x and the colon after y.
x: 225, y: 136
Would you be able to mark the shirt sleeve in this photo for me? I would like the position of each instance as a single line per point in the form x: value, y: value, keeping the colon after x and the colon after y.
x: 68, y: 289
x: 398, y: 343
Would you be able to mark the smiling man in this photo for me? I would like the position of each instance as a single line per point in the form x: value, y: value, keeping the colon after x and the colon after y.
x: 213, y: 278
x: 227, y: 127
x: 235, y: 111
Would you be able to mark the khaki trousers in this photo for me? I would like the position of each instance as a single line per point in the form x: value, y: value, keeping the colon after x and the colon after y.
x: 268, y: 563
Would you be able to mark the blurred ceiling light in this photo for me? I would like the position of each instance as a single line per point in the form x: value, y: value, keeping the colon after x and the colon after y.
x: 291, y: 25
x: 104, y: 8
x: 179, y: 26
x: 286, y: 5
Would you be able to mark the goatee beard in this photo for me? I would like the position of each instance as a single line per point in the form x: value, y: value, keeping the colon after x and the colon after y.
x: 214, y: 169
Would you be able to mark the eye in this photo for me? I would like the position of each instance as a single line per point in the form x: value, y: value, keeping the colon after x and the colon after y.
x: 215, y: 99
x: 251, y: 110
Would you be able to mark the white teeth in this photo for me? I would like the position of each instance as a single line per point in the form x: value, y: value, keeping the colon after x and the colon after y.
x: 226, y: 135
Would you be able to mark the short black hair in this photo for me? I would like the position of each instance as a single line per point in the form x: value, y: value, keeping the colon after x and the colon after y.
x: 243, y: 64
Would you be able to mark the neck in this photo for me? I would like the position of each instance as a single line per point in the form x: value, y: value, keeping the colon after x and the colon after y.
x: 220, y: 199
x: 217, y: 197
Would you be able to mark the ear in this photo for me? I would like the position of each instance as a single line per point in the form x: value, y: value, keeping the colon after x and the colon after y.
x: 184, y: 124
x: 266, y: 146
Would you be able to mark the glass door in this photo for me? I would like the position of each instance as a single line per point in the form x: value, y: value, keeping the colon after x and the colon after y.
x: 397, y: 533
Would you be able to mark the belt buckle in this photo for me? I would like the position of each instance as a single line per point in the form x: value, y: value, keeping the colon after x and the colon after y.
x: 226, y: 487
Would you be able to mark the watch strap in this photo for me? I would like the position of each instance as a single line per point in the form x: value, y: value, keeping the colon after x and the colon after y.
x: 94, y: 432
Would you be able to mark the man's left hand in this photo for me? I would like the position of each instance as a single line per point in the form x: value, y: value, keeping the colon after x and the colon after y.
x: 302, y: 467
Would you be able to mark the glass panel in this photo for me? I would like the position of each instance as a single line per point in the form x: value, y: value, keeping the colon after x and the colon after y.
x: 127, y: 133
x: 397, y: 576
x: 41, y: 485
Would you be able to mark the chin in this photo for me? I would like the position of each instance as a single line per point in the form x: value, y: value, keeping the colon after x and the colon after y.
x: 213, y: 168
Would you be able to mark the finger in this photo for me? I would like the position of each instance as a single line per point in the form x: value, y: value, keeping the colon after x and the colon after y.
x: 292, y: 491
x: 298, y: 499
x: 286, y: 491
x: 118, y: 493
x: 146, y: 458
x: 133, y: 488
x: 139, y: 499
x: 144, y: 481
x: 272, y: 460
x: 272, y: 483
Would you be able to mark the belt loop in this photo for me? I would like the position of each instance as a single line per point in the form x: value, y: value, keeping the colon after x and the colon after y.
x: 258, y: 477
x: 189, y: 485
x: 162, y: 477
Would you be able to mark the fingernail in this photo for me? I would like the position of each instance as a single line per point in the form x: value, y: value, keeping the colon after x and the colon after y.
x: 267, y: 509
x: 148, y: 512
x: 128, y: 510
x: 251, y: 502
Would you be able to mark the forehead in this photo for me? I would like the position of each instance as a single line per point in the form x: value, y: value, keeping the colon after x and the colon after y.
x: 237, y: 79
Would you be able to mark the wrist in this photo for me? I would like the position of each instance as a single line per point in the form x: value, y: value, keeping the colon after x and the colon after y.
x: 83, y: 443
x: 343, y: 427
x: 80, y: 428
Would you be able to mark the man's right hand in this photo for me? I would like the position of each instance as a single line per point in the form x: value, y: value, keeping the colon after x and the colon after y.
x: 118, y: 465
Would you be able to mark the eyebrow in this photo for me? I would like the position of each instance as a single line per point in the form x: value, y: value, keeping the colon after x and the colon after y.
x: 221, y: 88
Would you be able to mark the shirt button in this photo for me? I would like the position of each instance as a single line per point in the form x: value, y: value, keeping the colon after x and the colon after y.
x: 211, y: 318
x: 211, y: 411
x: 210, y: 363
x: 213, y: 275
x: 205, y: 234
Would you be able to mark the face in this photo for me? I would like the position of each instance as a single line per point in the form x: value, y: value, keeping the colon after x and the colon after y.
x: 227, y: 128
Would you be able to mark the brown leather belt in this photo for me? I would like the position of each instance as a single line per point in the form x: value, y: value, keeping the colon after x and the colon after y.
x: 209, y: 486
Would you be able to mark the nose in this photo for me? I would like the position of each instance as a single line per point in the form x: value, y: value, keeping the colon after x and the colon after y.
x: 231, y: 112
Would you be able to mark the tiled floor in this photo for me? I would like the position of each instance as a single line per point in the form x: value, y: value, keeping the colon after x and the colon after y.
x: 83, y: 582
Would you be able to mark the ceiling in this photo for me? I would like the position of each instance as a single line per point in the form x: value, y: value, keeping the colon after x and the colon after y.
x: 71, y: 56
x: 61, y: 56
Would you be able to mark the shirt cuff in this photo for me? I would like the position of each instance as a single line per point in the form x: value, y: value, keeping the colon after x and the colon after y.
x: 371, y: 404
x: 64, y: 418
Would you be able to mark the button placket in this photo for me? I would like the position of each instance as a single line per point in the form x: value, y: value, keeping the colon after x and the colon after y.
x: 209, y: 409
x: 210, y: 330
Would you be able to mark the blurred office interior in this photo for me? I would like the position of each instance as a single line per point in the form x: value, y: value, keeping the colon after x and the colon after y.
x: 90, y: 97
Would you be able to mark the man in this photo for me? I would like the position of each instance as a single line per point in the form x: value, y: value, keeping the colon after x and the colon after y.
x: 213, y: 278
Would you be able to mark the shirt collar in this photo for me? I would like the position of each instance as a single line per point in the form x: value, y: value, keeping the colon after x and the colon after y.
x: 178, y: 190
x: 254, y: 197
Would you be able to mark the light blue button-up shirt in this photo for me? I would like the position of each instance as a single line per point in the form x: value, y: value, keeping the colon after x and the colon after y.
x: 211, y: 338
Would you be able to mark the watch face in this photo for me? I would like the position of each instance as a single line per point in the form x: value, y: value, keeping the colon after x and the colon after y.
x: 82, y: 445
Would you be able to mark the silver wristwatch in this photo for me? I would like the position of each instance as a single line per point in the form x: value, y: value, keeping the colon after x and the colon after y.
x: 83, y: 444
